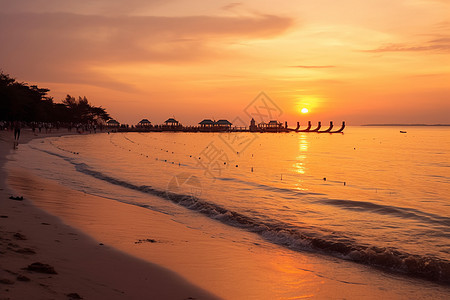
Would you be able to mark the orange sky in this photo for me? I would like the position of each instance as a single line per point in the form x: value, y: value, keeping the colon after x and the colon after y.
x: 359, y: 61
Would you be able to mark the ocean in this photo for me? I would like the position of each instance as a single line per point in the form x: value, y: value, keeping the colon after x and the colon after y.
x: 372, y: 204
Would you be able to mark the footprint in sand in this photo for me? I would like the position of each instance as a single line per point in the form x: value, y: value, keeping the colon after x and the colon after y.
x: 19, y: 236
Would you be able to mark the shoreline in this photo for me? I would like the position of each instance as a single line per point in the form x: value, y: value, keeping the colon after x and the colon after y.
x: 85, y: 269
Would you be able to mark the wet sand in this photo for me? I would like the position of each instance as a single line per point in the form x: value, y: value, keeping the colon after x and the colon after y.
x: 43, y: 258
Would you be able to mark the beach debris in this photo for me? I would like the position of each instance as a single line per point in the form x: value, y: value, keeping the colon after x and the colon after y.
x: 140, y: 241
x: 41, y: 268
x: 12, y: 245
x: 22, y: 278
x: 19, y: 236
x: 11, y: 272
x: 16, y: 198
x: 25, y: 251
x: 6, y: 281
x: 74, y: 296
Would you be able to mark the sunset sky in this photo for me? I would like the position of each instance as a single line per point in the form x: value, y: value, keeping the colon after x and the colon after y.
x: 360, y: 61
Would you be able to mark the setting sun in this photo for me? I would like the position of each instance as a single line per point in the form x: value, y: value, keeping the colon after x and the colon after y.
x: 304, y: 110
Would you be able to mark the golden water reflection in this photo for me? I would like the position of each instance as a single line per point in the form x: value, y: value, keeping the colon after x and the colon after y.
x: 303, y: 144
x: 299, y: 166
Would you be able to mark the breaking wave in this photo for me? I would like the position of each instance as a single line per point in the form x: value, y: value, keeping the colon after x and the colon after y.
x: 385, y: 258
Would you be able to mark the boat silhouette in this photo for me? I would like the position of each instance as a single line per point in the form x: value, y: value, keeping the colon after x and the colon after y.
x: 307, y: 128
x: 328, y: 130
x: 340, y: 129
x: 317, y: 129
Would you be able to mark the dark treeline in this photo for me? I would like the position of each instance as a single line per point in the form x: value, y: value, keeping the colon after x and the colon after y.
x: 29, y: 103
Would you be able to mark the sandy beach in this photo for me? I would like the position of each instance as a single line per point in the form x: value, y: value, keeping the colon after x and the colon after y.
x: 43, y: 258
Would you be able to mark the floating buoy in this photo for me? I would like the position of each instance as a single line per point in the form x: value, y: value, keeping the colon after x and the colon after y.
x: 324, y: 179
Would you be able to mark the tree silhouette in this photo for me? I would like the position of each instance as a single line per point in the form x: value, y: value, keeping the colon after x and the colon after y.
x: 81, y: 111
x: 21, y: 102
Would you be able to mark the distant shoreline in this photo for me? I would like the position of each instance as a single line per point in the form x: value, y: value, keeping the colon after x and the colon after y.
x: 397, y: 125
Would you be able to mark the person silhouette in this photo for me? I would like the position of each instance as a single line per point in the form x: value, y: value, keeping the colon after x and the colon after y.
x: 17, y: 126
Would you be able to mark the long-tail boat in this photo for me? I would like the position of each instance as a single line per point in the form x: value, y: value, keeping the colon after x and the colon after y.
x: 307, y: 128
x: 329, y: 128
x: 317, y: 128
x: 291, y: 129
x: 340, y: 129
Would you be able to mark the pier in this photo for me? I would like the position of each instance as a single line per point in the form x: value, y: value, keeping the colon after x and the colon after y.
x: 223, y: 125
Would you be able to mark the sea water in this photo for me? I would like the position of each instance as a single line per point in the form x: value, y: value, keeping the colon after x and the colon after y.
x: 373, y: 196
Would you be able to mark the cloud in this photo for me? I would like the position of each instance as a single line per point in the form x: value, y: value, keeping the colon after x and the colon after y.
x: 232, y: 6
x: 130, y: 38
x: 445, y: 40
x: 110, y: 7
x: 408, y: 48
x: 64, y: 43
x: 313, y: 67
x: 429, y: 75
x: 440, y: 45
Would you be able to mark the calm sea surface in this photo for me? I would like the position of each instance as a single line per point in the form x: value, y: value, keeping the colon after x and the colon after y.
x: 372, y: 195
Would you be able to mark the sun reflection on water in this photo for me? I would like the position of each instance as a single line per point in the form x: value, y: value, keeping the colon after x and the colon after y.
x: 299, y: 165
